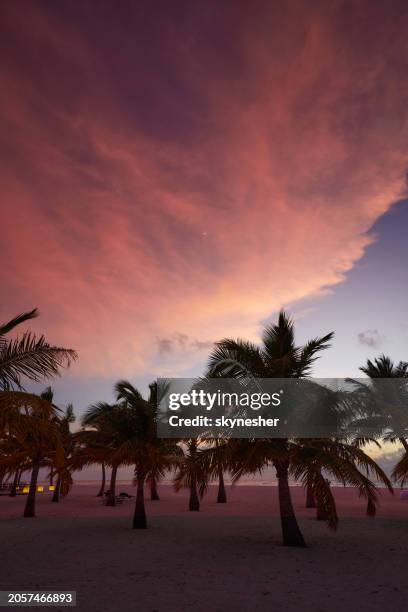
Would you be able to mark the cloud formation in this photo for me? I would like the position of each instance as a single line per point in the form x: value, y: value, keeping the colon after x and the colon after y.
x: 182, y: 342
x: 371, y: 338
x: 192, y: 168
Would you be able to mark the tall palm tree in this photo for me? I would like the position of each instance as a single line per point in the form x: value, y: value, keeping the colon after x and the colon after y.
x: 29, y: 356
x: 277, y: 357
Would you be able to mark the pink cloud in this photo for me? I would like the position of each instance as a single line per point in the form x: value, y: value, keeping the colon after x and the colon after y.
x: 122, y: 235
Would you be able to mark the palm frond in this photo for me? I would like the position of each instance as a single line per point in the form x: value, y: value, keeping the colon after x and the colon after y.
x: 33, y: 358
x: 308, y: 354
x: 400, y: 472
x: 5, y: 328
x: 236, y: 359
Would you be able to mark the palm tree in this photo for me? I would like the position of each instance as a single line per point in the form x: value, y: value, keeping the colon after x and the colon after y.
x: 90, y: 445
x: 100, y: 443
x: 154, y: 494
x: 189, y: 475
x: 393, y: 396
x: 125, y: 434
x: 103, y: 480
x: 150, y: 455
x: 13, y: 469
x: 400, y: 472
x: 29, y: 356
x: 221, y: 495
x: 195, y: 474
x: 28, y: 422
x: 68, y: 441
x: 278, y: 357
x: 48, y: 396
x: 384, y: 368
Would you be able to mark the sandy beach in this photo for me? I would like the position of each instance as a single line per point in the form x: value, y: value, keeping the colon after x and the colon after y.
x: 226, y: 557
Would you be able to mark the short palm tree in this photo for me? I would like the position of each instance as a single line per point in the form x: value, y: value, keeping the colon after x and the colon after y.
x: 68, y: 441
x: 28, y: 421
x: 195, y: 475
x: 29, y: 356
x: 149, y: 454
x: 125, y: 434
x: 384, y: 368
x: 106, y: 429
x: 189, y: 475
x: 92, y: 443
x: 391, y: 395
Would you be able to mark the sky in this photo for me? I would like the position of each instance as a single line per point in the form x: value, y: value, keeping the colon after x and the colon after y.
x: 176, y: 172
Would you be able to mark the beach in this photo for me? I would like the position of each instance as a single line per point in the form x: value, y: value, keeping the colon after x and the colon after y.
x: 225, y: 557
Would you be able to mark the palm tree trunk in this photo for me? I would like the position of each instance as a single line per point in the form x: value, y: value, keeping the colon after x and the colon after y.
x: 154, y: 495
x: 321, y: 514
x: 29, y: 510
x: 370, y: 510
x: 194, y: 501
x: 111, y: 501
x: 310, y: 498
x: 292, y: 536
x: 222, y: 496
x: 102, y: 489
x: 56, y: 494
x: 139, y: 517
x: 13, y: 490
x: 51, y: 479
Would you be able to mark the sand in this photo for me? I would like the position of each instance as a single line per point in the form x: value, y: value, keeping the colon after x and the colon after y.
x: 225, y: 557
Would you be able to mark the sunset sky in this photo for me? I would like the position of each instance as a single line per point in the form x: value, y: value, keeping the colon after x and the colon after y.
x: 176, y: 172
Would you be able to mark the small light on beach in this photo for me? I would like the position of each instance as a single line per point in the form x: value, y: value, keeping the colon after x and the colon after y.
x: 51, y: 488
x: 26, y: 489
x: 40, y: 489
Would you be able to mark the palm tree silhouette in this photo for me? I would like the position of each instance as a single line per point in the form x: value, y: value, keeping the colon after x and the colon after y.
x: 394, y: 396
x: 388, y: 393
x: 63, y: 469
x: 150, y: 455
x: 107, y: 430
x: 277, y: 357
x: 28, y: 422
x: 29, y: 356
